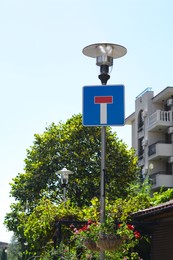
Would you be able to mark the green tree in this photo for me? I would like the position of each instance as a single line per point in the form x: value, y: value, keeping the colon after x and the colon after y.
x: 39, y: 226
x: 76, y: 147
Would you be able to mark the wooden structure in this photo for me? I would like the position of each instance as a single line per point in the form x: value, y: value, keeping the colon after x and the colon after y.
x: 161, y: 231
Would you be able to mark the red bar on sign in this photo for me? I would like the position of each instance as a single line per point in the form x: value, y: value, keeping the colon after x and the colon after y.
x: 103, y: 99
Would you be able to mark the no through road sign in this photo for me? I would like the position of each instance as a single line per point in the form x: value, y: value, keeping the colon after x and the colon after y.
x: 103, y: 105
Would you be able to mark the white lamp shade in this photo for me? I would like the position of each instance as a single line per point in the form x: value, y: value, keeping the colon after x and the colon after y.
x: 65, y: 175
x: 104, y: 49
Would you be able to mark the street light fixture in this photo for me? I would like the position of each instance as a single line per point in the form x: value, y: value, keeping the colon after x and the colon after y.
x: 104, y: 53
x: 64, y: 180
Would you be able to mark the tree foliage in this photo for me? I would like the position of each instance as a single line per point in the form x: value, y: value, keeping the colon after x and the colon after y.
x: 38, y: 227
x: 77, y: 148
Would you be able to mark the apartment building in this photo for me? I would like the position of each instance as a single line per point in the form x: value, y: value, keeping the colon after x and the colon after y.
x: 152, y: 135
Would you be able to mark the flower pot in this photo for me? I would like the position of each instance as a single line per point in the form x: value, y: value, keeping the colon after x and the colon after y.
x: 109, y: 242
x: 91, y: 245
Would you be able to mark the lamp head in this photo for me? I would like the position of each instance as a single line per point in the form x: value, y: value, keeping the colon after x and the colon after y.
x: 104, y: 54
x: 64, y: 175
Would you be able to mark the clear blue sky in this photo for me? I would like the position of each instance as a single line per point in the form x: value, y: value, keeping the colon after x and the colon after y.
x: 43, y: 70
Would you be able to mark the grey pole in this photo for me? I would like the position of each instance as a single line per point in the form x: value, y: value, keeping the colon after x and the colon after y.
x: 102, y: 180
x: 64, y: 194
x: 103, y: 172
x: 104, y: 76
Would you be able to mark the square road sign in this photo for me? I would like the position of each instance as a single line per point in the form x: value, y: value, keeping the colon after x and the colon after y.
x: 103, y: 105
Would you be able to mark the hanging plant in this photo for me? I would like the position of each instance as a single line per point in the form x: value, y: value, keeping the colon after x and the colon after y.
x: 109, y: 242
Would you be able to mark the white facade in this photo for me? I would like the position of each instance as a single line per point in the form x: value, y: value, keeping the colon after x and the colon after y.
x: 152, y: 135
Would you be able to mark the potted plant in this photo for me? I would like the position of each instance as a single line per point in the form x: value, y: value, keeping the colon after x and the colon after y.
x: 86, y: 235
x: 98, y: 236
x: 108, y: 239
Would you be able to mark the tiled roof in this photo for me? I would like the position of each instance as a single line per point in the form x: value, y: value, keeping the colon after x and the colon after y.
x: 153, y: 210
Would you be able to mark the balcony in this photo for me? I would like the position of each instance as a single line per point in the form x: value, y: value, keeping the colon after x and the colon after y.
x: 160, y: 150
x: 160, y: 180
x: 160, y: 120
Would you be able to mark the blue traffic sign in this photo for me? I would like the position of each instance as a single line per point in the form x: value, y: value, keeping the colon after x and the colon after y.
x: 103, y: 105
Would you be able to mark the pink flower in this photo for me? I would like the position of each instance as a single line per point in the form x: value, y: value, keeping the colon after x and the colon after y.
x: 76, y: 231
x: 72, y: 226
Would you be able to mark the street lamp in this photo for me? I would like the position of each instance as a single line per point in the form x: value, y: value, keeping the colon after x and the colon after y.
x: 64, y: 180
x: 104, y: 53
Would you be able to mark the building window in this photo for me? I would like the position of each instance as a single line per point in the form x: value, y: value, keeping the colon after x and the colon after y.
x: 140, y: 120
x: 140, y: 148
x: 152, y: 149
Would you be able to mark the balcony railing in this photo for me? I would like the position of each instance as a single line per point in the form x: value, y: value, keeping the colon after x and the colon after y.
x: 160, y: 149
x: 162, y: 179
x: 152, y: 149
x: 160, y: 118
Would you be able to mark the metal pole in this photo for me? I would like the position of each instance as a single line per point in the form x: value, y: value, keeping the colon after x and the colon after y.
x: 102, y: 177
x: 103, y: 79
x: 64, y: 193
x: 102, y: 180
